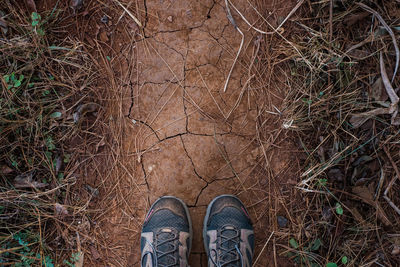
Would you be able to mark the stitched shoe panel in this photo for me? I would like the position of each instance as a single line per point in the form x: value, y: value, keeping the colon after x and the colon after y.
x: 228, y: 233
x: 166, y: 234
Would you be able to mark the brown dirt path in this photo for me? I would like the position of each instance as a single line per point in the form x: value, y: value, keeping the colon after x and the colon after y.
x: 183, y: 135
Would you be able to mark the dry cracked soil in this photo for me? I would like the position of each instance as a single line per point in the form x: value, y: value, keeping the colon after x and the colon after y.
x: 184, y: 136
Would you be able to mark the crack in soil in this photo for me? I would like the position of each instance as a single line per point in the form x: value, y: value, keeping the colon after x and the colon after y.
x: 179, y: 132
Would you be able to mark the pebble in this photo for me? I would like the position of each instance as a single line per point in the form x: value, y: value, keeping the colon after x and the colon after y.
x: 104, y: 19
x: 282, y: 221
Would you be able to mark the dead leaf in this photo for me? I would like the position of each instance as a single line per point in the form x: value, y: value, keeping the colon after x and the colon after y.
x: 354, y: 18
x: 396, y: 121
x: 3, y: 26
x: 25, y: 181
x: 31, y: 5
x: 358, y: 53
x: 5, y: 170
x: 58, y: 164
x: 95, y: 253
x: 357, y: 215
x: 396, y: 250
x: 103, y: 37
x: 386, y: 82
x: 378, y: 93
x: 83, y: 109
x: 367, y: 196
x: 359, y: 119
x: 335, y: 174
x: 76, y: 4
x: 60, y: 210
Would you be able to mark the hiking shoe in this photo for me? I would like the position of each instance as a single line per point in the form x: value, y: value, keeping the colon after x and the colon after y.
x: 166, y: 237
x: 228, y: 233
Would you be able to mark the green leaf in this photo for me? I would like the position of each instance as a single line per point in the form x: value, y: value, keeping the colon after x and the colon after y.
x: 21, y: 77
x: 344, y: 260
x: 35, y: 16
x: 50, y: 144
x: 293, y: 243
x: 17, y: 83
x: 56, y: 114
x: 331, y: 264
x: 316, y: 244
x: 35, y: 23
x: 6, y: 78
x: 54, y: 47
x: 67, y: 158
x: 48, y: 261
x: 339, y: 209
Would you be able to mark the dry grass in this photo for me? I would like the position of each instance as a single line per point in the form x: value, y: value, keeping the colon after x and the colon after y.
x: 332, y: 63
x: 48, y: 123
x: 54, y: 132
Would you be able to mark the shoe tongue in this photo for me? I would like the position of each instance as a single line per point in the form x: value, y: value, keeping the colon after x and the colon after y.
x: 169, y: 247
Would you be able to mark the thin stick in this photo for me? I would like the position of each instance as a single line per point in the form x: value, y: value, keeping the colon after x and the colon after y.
x: 129, y: 13
x: 240, y: 97
x: 275, y: 30
x: 392, y: 181
x: 394, y: 109
x: 233, y: 22
x: 280, y: 35
x: 396, y: 47
x: 388, y: 86
x: 262, y: 250
x: 290, y: 14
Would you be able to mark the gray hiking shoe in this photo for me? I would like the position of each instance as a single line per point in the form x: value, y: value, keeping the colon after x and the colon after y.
x: 228, y: 233
x: 166, y: 237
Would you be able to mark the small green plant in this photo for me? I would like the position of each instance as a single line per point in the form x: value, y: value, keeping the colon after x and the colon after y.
x: 35, y: 93
x: 73, y: 259
x: 35, y: 19
x: 21, y: 244
x: 305, y: 256
x: 339, y: 208
x: 50, y: 143
x: 36, y: 23
x: 12, y: 81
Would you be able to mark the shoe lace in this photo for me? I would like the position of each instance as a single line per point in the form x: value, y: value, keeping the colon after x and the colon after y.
x: 164, y: 250
x: 227, y: 252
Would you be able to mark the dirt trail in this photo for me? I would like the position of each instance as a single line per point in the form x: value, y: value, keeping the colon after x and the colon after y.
x: 185, y: 136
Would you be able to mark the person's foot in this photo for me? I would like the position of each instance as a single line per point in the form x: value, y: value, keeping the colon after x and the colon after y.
x: 228, y: 233
x: 166, y: 237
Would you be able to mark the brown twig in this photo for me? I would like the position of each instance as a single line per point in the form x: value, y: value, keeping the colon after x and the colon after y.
x: 233, y: 22
x: 391, y: 183
x: 386, y: 26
